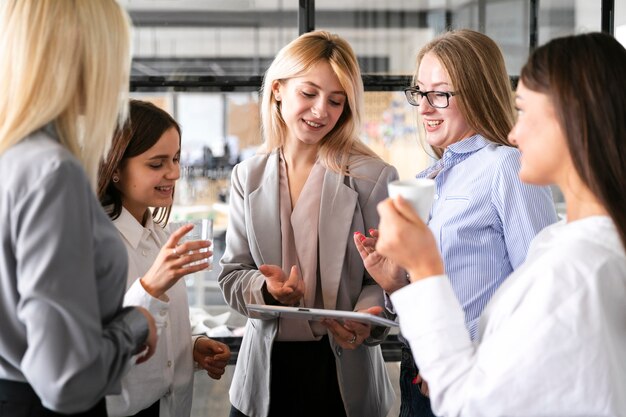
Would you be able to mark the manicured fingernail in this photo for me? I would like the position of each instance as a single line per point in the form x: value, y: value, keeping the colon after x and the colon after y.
x: 371, y: 231
x: 362, y: 238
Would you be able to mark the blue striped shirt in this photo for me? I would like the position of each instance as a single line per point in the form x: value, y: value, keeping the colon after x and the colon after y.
x: 483, y: 218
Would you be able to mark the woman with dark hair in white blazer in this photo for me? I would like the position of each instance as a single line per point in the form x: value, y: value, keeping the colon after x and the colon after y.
x: 552, y: 340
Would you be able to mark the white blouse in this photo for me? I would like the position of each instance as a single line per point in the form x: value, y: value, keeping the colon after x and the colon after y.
x: 552, y: 341
x: 168, y: 375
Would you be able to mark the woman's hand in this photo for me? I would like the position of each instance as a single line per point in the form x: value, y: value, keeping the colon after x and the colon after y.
x: 351, y: 334
x: 211, y: 355
x: 173, y: 261
x: 151, y: 340
x: 406, y: 240
x: 387, y: 274
x: 287, y: 291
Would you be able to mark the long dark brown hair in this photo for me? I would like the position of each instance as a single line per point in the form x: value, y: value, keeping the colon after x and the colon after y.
x: 146, y: 125
x: 585, y: 77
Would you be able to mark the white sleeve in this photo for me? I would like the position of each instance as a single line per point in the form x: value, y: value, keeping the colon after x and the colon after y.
x: 548, y: 348
x: 136, y: 295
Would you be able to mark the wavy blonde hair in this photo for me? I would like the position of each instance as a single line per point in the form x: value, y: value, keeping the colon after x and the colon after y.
x: 294, y: 60
x: 478, y: 73
x: 65, y: 62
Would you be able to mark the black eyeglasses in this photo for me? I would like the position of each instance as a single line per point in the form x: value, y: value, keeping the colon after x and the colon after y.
x: 437, y: 99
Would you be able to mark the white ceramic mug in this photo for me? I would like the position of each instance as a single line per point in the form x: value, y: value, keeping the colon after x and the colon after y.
x: 420, y: 192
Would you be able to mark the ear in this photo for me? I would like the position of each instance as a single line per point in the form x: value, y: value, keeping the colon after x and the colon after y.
x: 276, y: 87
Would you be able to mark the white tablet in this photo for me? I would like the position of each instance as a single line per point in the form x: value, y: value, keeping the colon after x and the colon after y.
x: 260, y: 311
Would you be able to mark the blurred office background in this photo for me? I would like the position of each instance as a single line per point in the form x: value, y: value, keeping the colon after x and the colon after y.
x: 203, y: 61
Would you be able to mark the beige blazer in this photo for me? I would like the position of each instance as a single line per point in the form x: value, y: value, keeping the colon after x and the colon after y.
x: 253, y: 238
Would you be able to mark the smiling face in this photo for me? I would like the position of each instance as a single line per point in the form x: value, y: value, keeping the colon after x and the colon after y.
x: 147, y: 180
x: 443, y: 126
x: 310, y: 104
x: 540, y: 139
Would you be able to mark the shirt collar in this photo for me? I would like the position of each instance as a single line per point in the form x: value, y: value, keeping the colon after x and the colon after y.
x: 132, y: 231
x: 468, y: 145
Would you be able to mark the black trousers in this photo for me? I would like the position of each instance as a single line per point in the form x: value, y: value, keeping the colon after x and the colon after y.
x: 18, y: 399
x: 413, y: 402
x: 304, y: 381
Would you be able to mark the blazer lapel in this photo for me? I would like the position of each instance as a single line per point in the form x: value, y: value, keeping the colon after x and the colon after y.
x: 264, y: 215
x: 337, y: 208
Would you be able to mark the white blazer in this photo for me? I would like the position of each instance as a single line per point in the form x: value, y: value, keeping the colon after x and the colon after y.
x: 348, y: 204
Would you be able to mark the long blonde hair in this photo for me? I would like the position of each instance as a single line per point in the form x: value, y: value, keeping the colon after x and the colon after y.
x: 294, y: 60
x: 66, y: 62
x: 478, y: 73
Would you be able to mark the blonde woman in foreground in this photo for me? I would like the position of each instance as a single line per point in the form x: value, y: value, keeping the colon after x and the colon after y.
x: 66, y: 340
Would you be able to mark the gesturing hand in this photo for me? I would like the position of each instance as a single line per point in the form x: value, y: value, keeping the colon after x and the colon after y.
x: 211, y: 355
x: 287, y: 291
x: 386, y: 273
x: 173, y: 261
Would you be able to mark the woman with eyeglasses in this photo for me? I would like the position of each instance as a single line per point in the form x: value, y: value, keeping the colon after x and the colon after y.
x: 552, y: 340
x: 483, y: 217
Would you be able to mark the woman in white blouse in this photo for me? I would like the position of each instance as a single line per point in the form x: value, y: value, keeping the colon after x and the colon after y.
x: 140, y: 173
x: 552, y: 341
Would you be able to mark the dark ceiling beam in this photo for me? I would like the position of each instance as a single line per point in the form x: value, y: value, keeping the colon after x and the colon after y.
x: 306, y: 16
x: 274, y: 19
x: 246, y: 83
x: 608, y: 16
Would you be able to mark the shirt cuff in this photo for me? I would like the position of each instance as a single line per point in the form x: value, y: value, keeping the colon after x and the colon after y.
x: 389, y: 304
x: 430, y: 317
x: 194, y: 339
x: 138, y: 296
x: 425, y: 304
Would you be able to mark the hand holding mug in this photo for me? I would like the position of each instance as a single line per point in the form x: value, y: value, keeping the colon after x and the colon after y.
x: 406, y: 240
